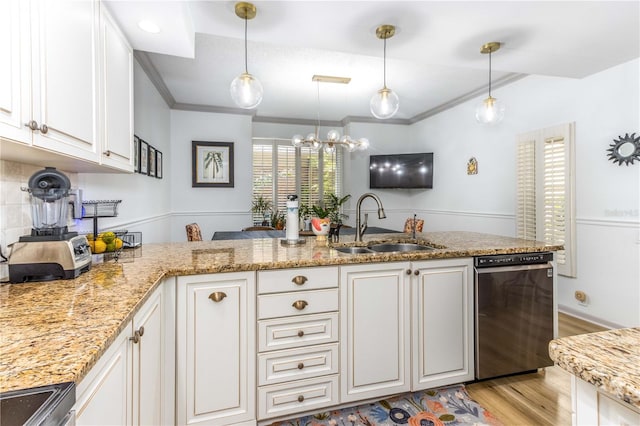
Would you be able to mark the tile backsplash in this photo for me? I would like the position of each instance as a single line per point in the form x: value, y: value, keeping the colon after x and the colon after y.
x: 15, y: 206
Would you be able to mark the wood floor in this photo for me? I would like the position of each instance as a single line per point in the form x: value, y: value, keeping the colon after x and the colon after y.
x: 542, y: 398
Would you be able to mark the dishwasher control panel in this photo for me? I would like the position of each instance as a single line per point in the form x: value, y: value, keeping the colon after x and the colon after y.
x: 513, y: 259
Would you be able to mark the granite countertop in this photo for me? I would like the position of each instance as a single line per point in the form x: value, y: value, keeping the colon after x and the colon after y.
x: 610, y: 360
x: 55, y: 331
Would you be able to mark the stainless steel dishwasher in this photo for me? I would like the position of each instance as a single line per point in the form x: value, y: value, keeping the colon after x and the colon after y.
x: 513, y: 313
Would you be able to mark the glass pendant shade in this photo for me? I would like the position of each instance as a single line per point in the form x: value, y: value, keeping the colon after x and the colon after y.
x: 384, y: 104
x: 246, y: 91
x: 490, y: 111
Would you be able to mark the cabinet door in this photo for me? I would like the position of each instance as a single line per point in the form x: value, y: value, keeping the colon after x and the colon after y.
x: 374, y: 330
x: 216, y: 356
x: 15, y: 89
x: 117, y: 95
x: 148, y: 362
x: 64, y: 76
x: 104, y: 395
x: 442, y: 306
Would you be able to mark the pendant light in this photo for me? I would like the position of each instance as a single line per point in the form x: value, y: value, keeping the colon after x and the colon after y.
x: 491, y: 110
x: 385, y: 103
x: 246, y: 90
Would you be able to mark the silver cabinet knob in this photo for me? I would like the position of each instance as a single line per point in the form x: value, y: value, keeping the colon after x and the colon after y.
x: 44, y: 129
x: 33, y: 125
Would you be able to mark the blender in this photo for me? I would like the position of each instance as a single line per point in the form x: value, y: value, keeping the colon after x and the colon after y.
x: 51, y: 251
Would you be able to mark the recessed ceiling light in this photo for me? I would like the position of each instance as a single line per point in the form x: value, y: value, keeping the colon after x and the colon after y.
x: 149, y: 27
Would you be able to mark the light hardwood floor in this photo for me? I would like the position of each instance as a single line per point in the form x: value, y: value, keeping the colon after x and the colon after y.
x: 542, y: 398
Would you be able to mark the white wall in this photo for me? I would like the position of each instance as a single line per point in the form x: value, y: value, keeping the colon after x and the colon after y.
x: 145, y: 203
x: 214, y: 209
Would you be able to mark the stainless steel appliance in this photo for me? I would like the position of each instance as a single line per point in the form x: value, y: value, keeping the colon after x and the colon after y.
x: 513, y: 312
x: 42, y: 406
x: 50, y: 252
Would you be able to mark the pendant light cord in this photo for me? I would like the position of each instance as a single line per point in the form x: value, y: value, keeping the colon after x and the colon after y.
x: 318, y: 110
x: 384, y: 64
x: 489, y: 73
x: 246, y: 69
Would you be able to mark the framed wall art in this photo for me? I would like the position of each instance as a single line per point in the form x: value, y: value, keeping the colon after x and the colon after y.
x: 212, y: 164
x: 158, y: 164
x: 144, y: 157
x: 136, y: 154
x: 152, y: 161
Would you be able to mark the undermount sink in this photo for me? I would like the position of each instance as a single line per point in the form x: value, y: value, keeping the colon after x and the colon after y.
x: 354, y: 250
x: 394, y: 247
x: 384, y: 248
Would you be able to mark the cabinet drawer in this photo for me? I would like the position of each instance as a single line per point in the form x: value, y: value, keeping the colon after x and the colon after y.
x: 297, y: 364
x: 288, y: 398
x: 297, y: 279
x: 304, y: 330
x: 309, y: 302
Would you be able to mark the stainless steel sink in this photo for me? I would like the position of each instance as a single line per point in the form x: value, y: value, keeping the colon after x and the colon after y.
x: 354, y: 250
x: 398, y: 247
x: 45, y: 405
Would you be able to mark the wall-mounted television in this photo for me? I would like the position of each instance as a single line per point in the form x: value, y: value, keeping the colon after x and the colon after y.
x: 413, y: 171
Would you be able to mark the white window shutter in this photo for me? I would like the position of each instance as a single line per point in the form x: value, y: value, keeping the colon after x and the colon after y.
x: 526, y: 187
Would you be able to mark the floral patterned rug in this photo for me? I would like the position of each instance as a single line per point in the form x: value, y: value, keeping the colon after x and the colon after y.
x: 434, y: 407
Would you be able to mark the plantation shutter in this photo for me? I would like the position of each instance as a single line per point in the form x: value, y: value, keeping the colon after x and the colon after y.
x: 526, y: 187
x: 286, y: 172
x: 557, y: 192
x: 262, y: 172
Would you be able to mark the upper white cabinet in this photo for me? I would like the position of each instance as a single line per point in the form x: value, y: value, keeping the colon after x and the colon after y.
x: 117, y: 95
x: 63, y: 61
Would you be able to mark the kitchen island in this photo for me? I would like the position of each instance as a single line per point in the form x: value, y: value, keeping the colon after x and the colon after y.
x: 56, y: 331
x: 606, y: 375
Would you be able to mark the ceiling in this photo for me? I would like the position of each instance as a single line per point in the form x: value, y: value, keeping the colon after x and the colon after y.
x: 433, y: 61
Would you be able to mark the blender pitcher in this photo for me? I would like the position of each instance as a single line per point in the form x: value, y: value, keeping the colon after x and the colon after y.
x: 49, y: 191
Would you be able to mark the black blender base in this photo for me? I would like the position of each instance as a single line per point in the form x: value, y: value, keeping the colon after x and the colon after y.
x: 23, y: 273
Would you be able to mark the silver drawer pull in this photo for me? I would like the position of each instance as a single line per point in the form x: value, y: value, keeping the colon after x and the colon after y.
x: 300, y: 333
x: 300, y: 366
x: 300, y: 398
x: 217, y: 296
x: 299, y: 279
x: 300, y: 304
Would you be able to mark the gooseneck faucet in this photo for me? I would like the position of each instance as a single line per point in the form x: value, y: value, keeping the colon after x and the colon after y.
x: 361, y: 228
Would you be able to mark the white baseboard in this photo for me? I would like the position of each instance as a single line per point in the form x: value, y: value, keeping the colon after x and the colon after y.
x: 586, y: 317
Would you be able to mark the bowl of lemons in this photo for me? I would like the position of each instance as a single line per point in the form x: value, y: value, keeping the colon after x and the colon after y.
x: 104, y: 242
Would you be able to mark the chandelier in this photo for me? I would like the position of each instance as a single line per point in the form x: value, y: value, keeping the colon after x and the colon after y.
x: 334, y: 139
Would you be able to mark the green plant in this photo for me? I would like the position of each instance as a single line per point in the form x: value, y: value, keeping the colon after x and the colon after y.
x: 261, y: 206
x: 334, y: 205
x: 320, y: 211
x: 277, y: 219
x: 304, y: 211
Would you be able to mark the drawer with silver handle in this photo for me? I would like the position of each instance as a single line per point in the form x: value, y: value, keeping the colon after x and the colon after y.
x: 294, y: 332
x: 296, y: 364
x: 297, y: 279
x: 297, y: 303
x: 294, y: 397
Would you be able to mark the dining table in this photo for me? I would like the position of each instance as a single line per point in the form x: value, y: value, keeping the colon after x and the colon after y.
x: 276, y: 233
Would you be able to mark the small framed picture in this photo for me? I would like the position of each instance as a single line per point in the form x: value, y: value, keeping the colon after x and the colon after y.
x: 144, y: 157
x: 136, y: 154
x: 212, y: 164
x: 158, y: 164
x: 152, y: 161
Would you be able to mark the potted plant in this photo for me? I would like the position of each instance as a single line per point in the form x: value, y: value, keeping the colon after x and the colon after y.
x: 261, y: 206
x: 320, y: 222
x: 277, y: 219
x: 304, y: 214
x: 334, y: 205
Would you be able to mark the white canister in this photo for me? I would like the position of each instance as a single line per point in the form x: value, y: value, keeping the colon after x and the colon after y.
x: 292, y: 218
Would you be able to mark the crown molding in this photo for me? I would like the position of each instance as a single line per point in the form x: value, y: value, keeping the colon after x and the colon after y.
x: 212, y: 108
x: 296, y: 121
x: 155, y: 77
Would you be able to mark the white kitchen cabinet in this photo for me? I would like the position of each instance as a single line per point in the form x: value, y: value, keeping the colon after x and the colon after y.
x: 66, y: 91
x: 128, y: 385
x: 375, y: 330
x: 442, y: 322
x: 297, y: 340
x: 216, y: 355
x: 591, y: 406
x: 117, y: 95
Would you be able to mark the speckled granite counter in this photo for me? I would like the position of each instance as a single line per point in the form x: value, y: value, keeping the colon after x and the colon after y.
x: 55, y: 331
x: 610, y: 360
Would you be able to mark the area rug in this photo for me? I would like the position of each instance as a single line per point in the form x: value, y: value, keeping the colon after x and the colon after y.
x: 450, y: 405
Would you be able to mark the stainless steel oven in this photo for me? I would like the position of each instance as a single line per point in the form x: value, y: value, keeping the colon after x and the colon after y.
x: 513, y: 312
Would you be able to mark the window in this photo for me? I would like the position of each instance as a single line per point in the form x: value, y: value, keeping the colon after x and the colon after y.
x: 545, y: 208
x: 279, y: 169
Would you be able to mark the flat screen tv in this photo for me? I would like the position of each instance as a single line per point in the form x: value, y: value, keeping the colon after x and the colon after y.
x: 412, y: 171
